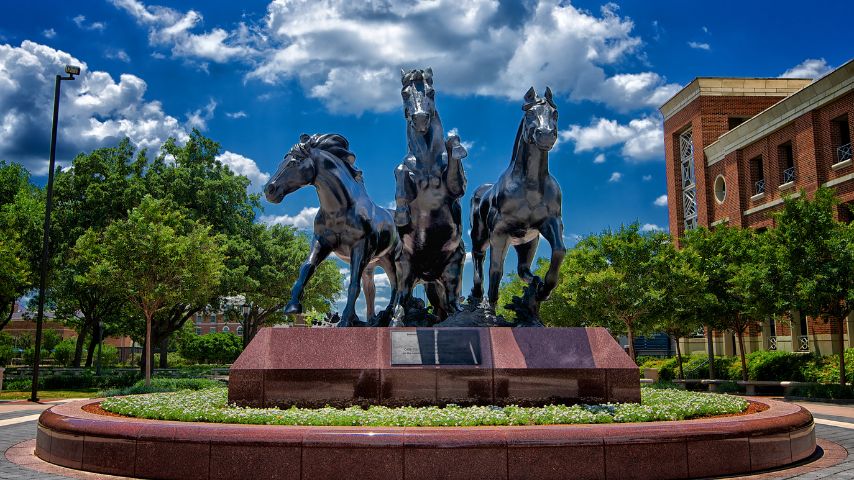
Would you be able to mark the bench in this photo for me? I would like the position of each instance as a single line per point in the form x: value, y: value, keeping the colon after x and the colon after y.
x: 786, y: 385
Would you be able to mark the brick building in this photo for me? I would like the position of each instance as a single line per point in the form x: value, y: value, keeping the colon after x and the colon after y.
x: 734, y: 147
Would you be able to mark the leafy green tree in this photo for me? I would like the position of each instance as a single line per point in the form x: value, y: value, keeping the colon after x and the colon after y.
x: 605, y: 282
x: 15, y: 275
x: 218, y: 348
x: 271, y: 261
x: 815, y: 258
x: 737, y: 264
x: 678, y: 294
x: 158, y: 258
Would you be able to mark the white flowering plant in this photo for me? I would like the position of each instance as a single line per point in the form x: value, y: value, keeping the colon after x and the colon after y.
x: 211, y: 405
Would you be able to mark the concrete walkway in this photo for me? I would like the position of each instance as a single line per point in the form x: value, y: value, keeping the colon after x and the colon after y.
x: 833, y: 422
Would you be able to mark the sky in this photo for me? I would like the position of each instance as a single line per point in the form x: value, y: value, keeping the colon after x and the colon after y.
x: 254, y: 75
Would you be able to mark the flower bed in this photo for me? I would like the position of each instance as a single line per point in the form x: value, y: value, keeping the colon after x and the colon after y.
x: 210, y: 405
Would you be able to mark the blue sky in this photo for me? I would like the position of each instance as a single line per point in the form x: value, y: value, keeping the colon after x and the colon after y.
x: 253, y: 75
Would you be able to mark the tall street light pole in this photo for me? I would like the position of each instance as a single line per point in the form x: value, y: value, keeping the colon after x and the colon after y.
x: 71, y: 71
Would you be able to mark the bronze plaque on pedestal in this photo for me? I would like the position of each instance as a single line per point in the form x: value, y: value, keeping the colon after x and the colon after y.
x: 435, y: 347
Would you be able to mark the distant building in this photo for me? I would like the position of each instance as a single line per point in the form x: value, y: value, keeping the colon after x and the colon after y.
x: 735, y: 146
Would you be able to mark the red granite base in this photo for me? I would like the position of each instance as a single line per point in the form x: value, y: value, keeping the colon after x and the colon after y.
x: 314, y: 367
x: 71, y: 437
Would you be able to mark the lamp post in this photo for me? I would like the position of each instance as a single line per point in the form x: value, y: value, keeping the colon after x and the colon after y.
x: 71, y: 71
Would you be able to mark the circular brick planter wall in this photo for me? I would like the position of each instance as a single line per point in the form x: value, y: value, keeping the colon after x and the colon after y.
x: 71, y: 437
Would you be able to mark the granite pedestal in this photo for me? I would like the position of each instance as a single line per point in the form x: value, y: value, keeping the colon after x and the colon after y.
x: 313, y: 367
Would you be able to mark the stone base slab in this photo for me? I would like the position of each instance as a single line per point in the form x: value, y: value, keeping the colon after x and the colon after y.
x: 355, y: 366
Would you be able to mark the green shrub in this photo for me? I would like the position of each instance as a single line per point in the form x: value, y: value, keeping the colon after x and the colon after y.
x: 775, y: 365
x: 832, y: 391
x: 63, y: 352
x: 211, y: 348
x: 30, y: 354
x: 83, y: 379
x: 162, y: 385
x: 7, y: 353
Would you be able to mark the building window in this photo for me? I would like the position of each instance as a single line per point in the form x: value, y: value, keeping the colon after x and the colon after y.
x: 239, y: 330
x: 213, y: 318
x: 212, y: 330
x: 757, y: 175
x: 689, y: 183
x: 786, y: 159
x: 225, y: 329
x: 198, y: 331
x: 841, y: 138
x: 846, y: 214
x: 198, y: 318
x: 733, y: 122
x: 720, y: 189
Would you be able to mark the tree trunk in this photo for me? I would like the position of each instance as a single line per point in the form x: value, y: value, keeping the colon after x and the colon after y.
x: 78, y: 347
x: 149, y: 359
x: 90, y: 352
x: 740, y: 335
x: 164, y: 347
x: 631, y: 334
x: 679, y: 359
x: 9, y: 317
x: 710, y: 342
x: 840, y: 320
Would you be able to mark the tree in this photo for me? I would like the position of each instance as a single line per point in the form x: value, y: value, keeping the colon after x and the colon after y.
x: 679, y: 295
x: 736, y: 263
x: 271, y: 261
x: 605, y: 281
x: 815, y: 258
x: 158, y: 258
x: 21, y: 214
x: 217, y: 348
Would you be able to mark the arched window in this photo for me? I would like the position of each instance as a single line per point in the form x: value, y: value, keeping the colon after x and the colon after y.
x: 239, y: 330
x: 225, y: 329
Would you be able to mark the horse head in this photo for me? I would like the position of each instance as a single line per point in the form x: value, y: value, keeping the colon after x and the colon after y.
x: 300, y: 166
x: 418, y: 98
x: 539, y: 127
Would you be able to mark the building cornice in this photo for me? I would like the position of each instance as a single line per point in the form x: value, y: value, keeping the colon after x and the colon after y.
x: 817, y: 94
x: 731, y: 87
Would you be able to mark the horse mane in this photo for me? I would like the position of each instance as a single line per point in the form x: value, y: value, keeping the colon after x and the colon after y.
x: 334, y: 144
x: 413, y: 76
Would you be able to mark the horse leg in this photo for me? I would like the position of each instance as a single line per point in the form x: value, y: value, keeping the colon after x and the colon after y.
x: 497, y: 253
x: 552, y: 231
x: 405, y: 280
x: 359, y: 258
x: 369, y: 290
x: 436, y: 295
x: 479, y: 239
x: 387, y: 264
x: 318, y: 253
x: 525, y: 253
x: 452, y: 279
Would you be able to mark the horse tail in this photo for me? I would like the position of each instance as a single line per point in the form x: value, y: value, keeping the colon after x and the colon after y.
x: 476, y: 198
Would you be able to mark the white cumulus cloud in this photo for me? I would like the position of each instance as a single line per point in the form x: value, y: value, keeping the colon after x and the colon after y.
x: 650, y: 227
x: 699, y: 45
x: 49, y: 33
x: 304, y: 219
x: 661, y: 201
x: 809, y: 68
x: 599, y: 158
x: 80, y: 21
x: 642, y: 138
x: 335, y: 46
x: 244, y: 166
x: 615, y: 177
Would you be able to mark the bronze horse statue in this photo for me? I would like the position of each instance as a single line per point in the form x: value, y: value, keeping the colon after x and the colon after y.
x: 524, y: 204
x: 429, y: 185
x: 348, y: 223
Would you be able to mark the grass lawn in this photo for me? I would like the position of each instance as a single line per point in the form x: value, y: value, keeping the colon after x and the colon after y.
x: 211, y: 405
x: 47, y: 394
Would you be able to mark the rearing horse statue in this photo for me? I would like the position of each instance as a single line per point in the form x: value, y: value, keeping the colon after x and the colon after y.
x: 349, y: 224
x: 429, y: 184
x: 524, y: 204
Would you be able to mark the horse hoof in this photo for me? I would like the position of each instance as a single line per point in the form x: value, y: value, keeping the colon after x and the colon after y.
x: 293, y: 308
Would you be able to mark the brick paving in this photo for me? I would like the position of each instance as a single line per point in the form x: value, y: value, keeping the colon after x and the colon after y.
x: 14, y: 435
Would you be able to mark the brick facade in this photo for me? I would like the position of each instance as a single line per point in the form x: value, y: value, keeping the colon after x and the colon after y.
x: 750, y: 133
